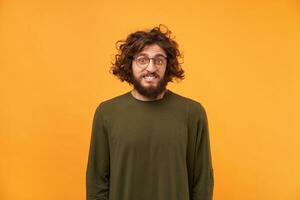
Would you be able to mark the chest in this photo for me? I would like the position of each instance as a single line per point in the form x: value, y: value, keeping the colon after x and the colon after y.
x: 156, y: 130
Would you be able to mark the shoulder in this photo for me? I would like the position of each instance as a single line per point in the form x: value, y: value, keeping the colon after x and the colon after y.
x: 192, y: 104
x: 112, y: 103
x: 195, y: 108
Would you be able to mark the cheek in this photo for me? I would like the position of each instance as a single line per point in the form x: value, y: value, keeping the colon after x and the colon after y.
x: 135, y: 71
x: 162, y: 72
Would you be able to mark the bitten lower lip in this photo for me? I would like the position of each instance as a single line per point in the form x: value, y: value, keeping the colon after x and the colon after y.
x: 150, y: 80
x: 151, y: 76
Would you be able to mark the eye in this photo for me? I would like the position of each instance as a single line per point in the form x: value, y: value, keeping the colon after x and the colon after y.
x: 142, y: 60
x: 160, y: 60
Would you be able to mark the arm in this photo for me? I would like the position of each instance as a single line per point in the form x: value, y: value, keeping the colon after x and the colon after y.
x: 98, y: 167
x: 202, y: 183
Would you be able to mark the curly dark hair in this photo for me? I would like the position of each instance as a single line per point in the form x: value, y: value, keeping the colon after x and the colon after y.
x: 135, y: 42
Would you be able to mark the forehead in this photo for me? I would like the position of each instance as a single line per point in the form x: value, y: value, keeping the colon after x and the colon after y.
x: 153, y: 50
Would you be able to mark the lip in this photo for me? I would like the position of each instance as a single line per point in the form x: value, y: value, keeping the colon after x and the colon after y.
x: 156, y: 76
x: 150, y: 81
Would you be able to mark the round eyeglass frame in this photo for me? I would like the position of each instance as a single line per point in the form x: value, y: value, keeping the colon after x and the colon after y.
x: 149, y: 60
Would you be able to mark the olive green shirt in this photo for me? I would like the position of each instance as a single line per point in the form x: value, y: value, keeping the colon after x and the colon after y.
x: 149, y: 150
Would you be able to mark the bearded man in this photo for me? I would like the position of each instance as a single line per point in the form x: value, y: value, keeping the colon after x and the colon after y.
x: 149, y: 143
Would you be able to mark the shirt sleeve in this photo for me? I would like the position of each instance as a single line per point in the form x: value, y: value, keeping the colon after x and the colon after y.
x: 98, y: 167
x: 201, y: 169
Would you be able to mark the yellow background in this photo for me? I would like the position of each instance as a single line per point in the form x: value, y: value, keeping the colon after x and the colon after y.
x: 241, y: 60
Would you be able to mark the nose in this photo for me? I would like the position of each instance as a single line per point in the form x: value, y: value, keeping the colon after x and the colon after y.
x: 151, y: 66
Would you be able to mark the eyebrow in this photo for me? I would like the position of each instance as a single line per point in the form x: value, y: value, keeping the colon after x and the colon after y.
x: 144, y: 54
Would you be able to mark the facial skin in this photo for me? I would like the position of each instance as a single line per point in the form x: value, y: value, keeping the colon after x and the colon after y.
x: 148, y: 90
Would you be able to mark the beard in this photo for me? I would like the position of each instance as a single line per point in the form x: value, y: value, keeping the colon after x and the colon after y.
x: 150, y: 92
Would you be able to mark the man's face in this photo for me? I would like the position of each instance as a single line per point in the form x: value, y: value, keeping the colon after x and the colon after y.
x: 150, y: 81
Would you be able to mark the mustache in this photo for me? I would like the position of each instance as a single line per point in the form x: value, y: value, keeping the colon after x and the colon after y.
x: 153, y: 74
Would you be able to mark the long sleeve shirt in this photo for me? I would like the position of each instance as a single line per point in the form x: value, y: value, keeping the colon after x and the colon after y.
x: 150, y: 150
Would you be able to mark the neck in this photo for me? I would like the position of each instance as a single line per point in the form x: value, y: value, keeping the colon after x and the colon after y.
x: 138, y: 96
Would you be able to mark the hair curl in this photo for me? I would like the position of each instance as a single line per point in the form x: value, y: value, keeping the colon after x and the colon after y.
x: 135, y: 42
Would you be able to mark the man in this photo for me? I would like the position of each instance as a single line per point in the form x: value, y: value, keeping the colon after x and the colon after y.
x: 149, y: 143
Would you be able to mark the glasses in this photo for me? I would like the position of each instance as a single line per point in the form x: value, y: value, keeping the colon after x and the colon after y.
x: 143, y: 61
